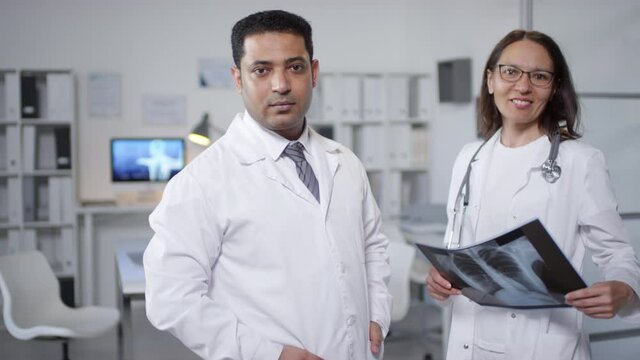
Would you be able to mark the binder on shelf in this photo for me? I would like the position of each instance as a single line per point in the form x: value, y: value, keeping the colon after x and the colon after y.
x: 421, y: 97
x: 367, y: 146
x: 63, y: 147
x: 59, y: 97
x: 29, y: 96
x: 314, y: 114
x: 29, y: 240
x: 373, y: 98
x: 377, y: 187
x: 419, y: 145
x: 351, y: 109
x: 46, y: 244
x: 13, y: 148
x: 398, y: 98
x: 3, y: 97
x: 43, y: 99
x: 13, y: 195
x: 67, y: 197
x: 46, y: 149
x: 331, y: 93
x: 12, y: 99
x: 55, y: 200
x: 3, y: 149
x: 28, y: 148
x: 42, y: 199
x: 393, y: 205
x: 4, y: 201
x: 64, y: 251
x: 29, y: 198
x: 399, y: 145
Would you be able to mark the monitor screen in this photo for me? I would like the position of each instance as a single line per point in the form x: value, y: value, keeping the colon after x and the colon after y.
x: 146, y: 159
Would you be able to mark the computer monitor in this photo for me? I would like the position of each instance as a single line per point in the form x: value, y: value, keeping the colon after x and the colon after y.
x: 146, y: 159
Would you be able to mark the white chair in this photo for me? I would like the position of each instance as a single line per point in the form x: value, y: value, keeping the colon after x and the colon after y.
x: 400, y: 258
x: 33, y: 308
x: 419, y: 265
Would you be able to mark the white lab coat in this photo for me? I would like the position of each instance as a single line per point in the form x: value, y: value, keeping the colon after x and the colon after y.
x: 580, y: 212
x: 244, y: 261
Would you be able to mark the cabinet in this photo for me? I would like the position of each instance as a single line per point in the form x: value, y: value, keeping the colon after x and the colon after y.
x: 384, y: 118
x: 37, y: 179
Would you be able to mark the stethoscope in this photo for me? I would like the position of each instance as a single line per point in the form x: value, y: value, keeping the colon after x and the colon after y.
x: 550, y: 169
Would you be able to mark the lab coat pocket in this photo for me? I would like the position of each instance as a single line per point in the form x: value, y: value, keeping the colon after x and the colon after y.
x: 556, y: 346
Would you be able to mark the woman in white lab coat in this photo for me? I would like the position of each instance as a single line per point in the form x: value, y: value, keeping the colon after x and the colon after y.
x: 526, y: 91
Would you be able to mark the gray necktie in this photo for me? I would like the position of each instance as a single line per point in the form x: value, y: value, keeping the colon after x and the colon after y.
x: 295, y: 151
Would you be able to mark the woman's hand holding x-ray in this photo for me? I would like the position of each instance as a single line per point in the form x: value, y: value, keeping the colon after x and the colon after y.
x: 601, y: 300
x: 439, y: 287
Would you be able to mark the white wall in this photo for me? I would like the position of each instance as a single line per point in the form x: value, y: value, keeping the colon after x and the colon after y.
x: 449, y: 30
x: 155, y: 45
x: 601, y: 40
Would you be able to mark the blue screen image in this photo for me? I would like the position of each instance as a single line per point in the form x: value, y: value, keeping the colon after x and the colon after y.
x: 146, y: 159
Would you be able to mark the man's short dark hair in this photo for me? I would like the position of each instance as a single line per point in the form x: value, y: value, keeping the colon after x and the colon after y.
x: 269, y: 21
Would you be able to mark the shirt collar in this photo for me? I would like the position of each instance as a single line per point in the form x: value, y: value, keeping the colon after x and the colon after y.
x: 274, y: 142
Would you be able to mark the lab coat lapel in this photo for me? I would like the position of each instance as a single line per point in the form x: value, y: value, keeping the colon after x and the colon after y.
x: 479, y: 171
x: 250, y: 151
x: 329, y: 155
x: 273, y: 173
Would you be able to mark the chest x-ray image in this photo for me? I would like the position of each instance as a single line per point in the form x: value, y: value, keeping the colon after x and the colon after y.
x: 509, y: 271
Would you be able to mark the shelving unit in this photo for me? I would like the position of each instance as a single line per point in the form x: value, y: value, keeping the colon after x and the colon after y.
x: 384, y: 118
x: 37, y: 179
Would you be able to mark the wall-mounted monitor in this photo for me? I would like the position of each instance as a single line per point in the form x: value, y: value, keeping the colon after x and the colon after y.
x: 146, y: 159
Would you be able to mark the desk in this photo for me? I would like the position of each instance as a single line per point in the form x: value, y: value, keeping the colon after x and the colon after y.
x: 130, y: 285
x: 87, y: 252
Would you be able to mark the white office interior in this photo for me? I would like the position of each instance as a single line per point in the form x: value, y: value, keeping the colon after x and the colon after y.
x: 154, y: 68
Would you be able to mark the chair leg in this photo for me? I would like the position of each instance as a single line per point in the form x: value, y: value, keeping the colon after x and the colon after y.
x: 65, y: 350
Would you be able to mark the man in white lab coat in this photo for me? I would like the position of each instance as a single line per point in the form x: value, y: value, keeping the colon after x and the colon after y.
x: 262, y: 252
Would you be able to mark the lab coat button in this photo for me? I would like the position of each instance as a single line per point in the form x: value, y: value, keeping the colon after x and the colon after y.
x: 514, y: 217
x: 513, y: 315
x: 343, y: 269
x: 351, y: 320
x: 465, y: 346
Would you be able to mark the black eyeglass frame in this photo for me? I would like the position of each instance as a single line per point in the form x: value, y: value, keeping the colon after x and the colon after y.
x: 551, y: 78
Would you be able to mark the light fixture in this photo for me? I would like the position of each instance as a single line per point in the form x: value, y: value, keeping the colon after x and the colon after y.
x: 200, y: 133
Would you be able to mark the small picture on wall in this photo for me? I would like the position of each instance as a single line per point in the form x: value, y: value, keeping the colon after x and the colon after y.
x: 215, y: 73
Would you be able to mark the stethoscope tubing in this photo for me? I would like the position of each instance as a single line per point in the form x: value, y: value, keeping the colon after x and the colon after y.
x: 551, y: 172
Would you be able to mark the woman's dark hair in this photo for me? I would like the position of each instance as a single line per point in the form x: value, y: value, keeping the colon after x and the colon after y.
x: 269, y: 21
x: 563, y: 102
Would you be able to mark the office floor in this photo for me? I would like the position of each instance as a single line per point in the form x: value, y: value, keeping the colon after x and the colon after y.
x: 410, y: 340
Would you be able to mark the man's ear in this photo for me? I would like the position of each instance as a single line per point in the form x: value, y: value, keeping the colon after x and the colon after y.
x: 237, y: 79
x: 315, y: 71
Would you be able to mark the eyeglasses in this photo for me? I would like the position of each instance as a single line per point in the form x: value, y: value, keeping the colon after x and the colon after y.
x: 539, y: 78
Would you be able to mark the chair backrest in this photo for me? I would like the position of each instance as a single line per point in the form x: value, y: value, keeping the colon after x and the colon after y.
x: 29, y: 289
x: 400, y: 258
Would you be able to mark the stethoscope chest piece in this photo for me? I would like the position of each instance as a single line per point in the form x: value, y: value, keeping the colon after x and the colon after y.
x: 551, y: 171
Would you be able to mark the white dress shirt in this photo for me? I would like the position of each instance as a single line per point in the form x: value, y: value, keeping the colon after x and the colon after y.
x: 244, y: 259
